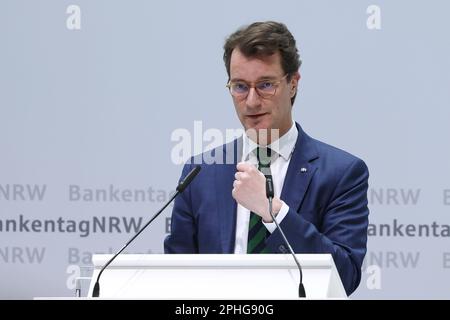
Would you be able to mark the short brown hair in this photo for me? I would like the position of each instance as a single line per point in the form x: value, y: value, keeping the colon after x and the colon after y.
x: 261, y: 39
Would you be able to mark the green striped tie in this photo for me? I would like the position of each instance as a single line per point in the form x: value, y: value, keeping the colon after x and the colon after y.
x: 257, y: 232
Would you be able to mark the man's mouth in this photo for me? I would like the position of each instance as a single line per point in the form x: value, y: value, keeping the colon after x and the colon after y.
x: 254, y: 116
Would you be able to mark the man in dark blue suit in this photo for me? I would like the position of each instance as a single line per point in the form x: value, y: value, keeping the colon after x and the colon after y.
x: 320, y: 191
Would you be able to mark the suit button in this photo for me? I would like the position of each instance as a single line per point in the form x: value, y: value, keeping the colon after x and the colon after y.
x: 282, y: 248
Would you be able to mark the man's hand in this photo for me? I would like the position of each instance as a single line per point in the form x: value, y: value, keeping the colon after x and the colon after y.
x: 249, y: 190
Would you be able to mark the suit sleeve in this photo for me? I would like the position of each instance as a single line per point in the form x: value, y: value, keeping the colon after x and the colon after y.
x: 183, y: 236
x: 342, y: 230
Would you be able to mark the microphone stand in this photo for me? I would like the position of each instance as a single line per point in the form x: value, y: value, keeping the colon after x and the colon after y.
x: 181, y: 186
x: 96, y: 291
x: 270, y: 195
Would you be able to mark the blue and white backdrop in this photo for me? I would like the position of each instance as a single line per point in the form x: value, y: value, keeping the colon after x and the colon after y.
x: 99, y: 99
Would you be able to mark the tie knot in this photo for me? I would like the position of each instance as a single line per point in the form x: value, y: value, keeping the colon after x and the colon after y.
x: 264, y: 156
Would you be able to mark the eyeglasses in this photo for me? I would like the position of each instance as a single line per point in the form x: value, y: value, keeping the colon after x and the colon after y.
x: 264, y: 88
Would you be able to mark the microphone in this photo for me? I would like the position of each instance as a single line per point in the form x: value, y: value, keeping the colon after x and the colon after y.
x: 180, y: 188
x: 270, y: 195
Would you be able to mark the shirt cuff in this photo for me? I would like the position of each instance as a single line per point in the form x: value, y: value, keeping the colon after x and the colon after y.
x: 271, y: 226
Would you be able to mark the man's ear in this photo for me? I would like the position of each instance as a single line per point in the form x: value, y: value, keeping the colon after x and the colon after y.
x: 295, y: 79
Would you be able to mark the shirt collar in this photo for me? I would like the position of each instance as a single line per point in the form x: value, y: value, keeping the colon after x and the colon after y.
x: 284, y: 146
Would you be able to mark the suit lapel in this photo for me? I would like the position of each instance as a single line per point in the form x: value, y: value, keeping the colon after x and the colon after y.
x: 300, y: 171
x: 227, y: 206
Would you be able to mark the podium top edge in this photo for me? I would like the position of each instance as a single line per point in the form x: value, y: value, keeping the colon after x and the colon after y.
x: 214, y: 260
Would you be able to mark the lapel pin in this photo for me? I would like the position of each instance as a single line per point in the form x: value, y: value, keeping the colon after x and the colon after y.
x: 303, y: 170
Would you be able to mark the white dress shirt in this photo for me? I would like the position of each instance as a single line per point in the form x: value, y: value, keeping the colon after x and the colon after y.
x: 282, y: 150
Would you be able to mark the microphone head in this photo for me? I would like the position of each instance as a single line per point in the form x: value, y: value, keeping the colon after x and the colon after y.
x: 188, y: 179
x: 269, y: 187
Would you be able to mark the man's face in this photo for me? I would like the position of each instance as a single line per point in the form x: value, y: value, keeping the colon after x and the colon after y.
x: 256, y: 112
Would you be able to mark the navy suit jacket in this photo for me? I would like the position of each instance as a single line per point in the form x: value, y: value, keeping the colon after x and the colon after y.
x: 327, y: 206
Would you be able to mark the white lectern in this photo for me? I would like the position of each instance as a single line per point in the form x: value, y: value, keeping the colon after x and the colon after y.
x: 216, y: 276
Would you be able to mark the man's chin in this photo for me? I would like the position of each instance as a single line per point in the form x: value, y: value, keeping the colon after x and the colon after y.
x: 257, y: 124
x: 258, y: 128
x: 260, y: 132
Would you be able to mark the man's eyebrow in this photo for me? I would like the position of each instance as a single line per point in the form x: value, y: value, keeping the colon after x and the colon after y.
x: 237, y: 79
x: 267, y: 78
x: 257, y: 80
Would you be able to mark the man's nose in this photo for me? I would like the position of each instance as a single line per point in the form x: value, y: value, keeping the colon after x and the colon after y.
x: 253, y: 99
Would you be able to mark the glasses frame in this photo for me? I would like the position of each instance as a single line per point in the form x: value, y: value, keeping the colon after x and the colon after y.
x: 253, y: 85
